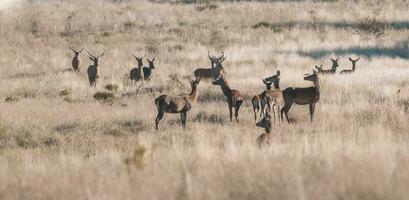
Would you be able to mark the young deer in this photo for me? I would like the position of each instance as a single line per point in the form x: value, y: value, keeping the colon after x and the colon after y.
x: 176, y: 104
x: 76, y: 60
x: 147, y: 71
x: 265, y: 138
x: 234, y: 98
x: 213, y: 72
x: 329, y: 71
x: 345, y: 71
x: 302, y: 96
x: 258, y: 101
x: 275, y: 97
x: 93, y: 69
x: 136, y: 73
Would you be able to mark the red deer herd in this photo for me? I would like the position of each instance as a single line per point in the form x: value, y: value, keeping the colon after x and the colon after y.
x: 272, y: 102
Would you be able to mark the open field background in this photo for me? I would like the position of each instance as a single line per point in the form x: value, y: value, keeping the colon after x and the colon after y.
x: 72, y: 146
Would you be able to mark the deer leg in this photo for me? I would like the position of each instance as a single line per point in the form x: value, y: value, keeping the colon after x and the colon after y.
x: 161, y: 113
x: 312, y: 109
x: 236, y: 114
x: 183, y: 119
x: 255, y: 110
x: 231, y: 112
x: 285, y: 109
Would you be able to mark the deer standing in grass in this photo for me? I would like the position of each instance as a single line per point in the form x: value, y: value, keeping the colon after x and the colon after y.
x: 329, y: 71
x: 259, y: 101
x: 177, y: 104
x: 76, y: 59
x: 302, y: 96
x: 147, y: 71
x: 136, y: 73
x: 345, y: 71
x: 214, y: 71
x: 265, y: 138
x: 93, y: 69
x: 234, y: 98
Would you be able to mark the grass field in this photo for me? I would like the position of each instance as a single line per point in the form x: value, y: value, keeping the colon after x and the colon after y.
x: 58, y: 142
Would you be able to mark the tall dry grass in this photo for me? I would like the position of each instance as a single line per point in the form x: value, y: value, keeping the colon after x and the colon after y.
x: 67, y: 145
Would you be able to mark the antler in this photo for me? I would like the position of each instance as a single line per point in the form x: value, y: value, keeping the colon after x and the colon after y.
x: 91, y: 55
x: 103, y: 53
x: 81, y: 50
x: 72, y: 49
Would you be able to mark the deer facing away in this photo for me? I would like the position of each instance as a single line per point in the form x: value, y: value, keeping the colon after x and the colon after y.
x: 93, y: 69
x: 302, y: 96
x: 329, y: 71
x: 76, y: 60
x: 214, y: 71
x: 345, y: 71
x: 234, y: 98
x: 176, y: 104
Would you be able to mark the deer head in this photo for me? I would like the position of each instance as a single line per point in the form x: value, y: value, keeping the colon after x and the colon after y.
x: 352, y: 60
x: 319, y: 68
x: 334, y: 63
x: 265, y: 122
x: 216, y: 61
x: 151, y: 65
x: 95, y: 58
x: 312, y: 77
x: 273, y: 78
x: 139, y: 60
x: 76, y: 52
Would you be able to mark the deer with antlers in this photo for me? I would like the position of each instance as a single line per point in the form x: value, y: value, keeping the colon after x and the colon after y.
x: 93, y: 69
x: 76, y: 59
x: 147, y: 71
x: 234, y: 98
x: 136, y: 73
x: 329, y: 71
x: 214, y: 71
x: 345, y: 71
x: 177, y: 104
x: 302, y: 96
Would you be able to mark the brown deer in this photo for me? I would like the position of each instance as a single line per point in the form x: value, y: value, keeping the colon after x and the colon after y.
x: 302, y: 96
x: 136, y: 73
x: 147, y: 71
x: 274, y: 96
x: 93, y: 69
x: 329, y: 71
x: 234, y: 98
x: 214, y: 71
x: 345, y: 71
x: 176, y: 104
x: 76, y: 60
x: 258, y: 101
x: 265, y: 138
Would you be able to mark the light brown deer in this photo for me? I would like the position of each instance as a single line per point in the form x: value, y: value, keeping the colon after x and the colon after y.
x: 177, y: 104
x: 273, y: 98
x: 136, y: 73
x: 258, y: 100
x: 76, y: 59
x: 234, y: 98
x: 214, y: 71
x: 345, y: 71
x: 265, y: 138
x: 329, y: 71
x: 302, y: 96
x: 93, y: 69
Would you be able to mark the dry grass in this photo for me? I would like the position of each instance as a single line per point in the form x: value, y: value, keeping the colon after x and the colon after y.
x: 58, y: 142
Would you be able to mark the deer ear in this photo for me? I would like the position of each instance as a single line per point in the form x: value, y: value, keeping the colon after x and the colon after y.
x: 278, y: 73
x: 153, y: 59
x: 91, y: 58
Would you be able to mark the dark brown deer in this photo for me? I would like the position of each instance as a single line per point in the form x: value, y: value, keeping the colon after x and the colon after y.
x: 147, y: 71
x: 176, y: 104
x: 234, y: 98
x: 76, y: 59
x: 136, y: 73
x: 302, y: 96
x: 345, y: 71
x: 93, y: 69
x: 265, y: 138
x: 214, y: 71
x: 329, y: 71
